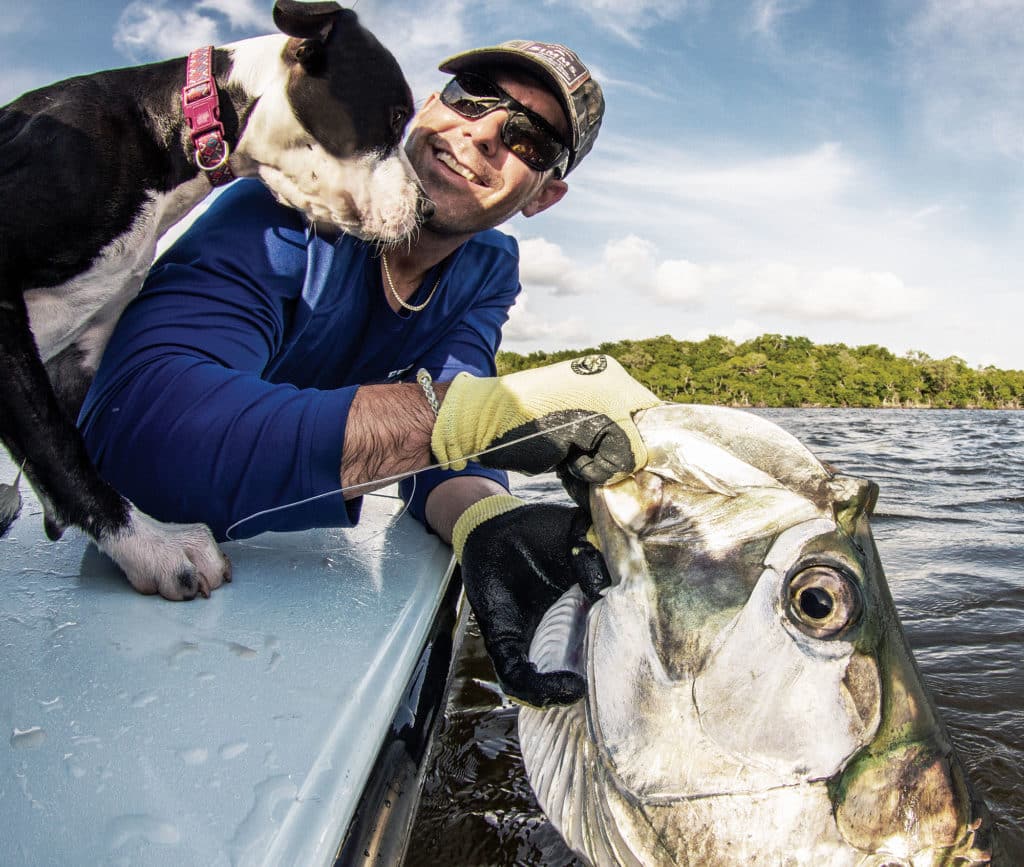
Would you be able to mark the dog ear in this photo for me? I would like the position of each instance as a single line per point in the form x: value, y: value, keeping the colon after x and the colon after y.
x: 308, y: 20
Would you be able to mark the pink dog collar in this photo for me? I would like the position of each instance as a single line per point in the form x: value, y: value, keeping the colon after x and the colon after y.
x: 202, y: 113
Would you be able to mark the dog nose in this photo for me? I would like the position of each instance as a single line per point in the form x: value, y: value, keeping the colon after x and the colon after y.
x: 424, y: 209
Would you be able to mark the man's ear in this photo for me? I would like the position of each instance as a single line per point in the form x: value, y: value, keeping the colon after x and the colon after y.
x: 548, y: 195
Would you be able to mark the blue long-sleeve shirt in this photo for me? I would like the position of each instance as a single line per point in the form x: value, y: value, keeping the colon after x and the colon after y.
x: 226, y: 386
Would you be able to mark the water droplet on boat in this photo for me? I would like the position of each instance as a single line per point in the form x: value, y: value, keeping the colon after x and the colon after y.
x: 241, y: 650
x: 181, y: 650
x: 27, y: 739
x: 125, y: 829
x: 232, y: 750
x: 196, y: 756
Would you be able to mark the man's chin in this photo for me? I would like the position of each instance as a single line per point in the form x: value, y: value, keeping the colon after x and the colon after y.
x: 451, y: 223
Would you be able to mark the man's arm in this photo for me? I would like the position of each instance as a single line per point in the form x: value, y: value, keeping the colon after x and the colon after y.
x: 577, y: 414
x: 387, y: 434
x: 451, y: 498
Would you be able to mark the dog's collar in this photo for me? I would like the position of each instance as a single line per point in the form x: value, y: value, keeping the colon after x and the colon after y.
x: 202, y: 113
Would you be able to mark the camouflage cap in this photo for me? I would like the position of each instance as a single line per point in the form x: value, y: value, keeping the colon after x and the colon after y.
x: 556, y: 65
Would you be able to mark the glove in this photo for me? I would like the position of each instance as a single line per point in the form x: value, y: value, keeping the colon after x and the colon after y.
x: 517, y: 560
x: 581, y: 410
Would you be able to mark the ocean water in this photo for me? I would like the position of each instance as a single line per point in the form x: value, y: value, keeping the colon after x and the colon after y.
x: 949, y: 526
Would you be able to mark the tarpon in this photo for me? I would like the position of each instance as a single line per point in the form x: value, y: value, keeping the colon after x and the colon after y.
x: 751, y: 697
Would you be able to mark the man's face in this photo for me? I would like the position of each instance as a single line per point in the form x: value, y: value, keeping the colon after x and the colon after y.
x: 473, y: 179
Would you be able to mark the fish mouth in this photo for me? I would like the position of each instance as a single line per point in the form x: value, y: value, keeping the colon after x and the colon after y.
x: 917, y: 796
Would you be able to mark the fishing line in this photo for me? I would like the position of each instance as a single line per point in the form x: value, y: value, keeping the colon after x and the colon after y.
x: 387, y: 480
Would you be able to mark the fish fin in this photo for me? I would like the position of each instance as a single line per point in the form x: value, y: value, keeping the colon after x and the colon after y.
x: 558, y: 642
x: 851, y: 498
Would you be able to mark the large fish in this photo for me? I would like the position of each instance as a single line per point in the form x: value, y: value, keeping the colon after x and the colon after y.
x: 751, y: 697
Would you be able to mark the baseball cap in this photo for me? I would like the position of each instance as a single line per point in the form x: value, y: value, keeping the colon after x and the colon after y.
x: 559, y: 67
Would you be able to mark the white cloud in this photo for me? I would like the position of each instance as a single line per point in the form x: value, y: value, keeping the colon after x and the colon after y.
x: 525, y: 326
x: 738, y: 330
x: 963, y: 62
x: 766, y: 15
x: 241, y: 14
x: 819, y: 174
x: 833, y: 293
x: 677, y: 280
x: 419, y: 41
x: 542, y: 263
x: 146, y: 31
x: 628, y: 265
x: 625, y: 18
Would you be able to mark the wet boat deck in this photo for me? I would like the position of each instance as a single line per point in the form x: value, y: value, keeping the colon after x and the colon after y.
x: 235, y: 729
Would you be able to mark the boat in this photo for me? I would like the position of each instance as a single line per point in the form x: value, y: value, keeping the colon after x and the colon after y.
x: 284, y: 720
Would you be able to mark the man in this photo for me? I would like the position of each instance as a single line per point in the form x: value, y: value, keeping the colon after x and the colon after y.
x: 241, y: 377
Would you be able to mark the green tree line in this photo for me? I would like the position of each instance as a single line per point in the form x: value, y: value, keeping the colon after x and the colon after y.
x: 776, y: 370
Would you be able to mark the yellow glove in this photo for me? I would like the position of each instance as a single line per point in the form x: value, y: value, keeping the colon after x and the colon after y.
x: 576, y: 413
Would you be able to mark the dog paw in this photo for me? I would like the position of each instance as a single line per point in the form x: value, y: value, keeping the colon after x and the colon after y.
x: 178, y: 561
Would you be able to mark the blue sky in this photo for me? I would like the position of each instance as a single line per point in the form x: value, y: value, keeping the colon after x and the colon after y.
x: 847, y: 171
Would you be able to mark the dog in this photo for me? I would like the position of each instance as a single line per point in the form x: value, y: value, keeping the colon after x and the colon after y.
x: 95, y: 168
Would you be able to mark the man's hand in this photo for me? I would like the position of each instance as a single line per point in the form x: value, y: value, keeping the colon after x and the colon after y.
x: 517, y: 560
x: 576, y: 413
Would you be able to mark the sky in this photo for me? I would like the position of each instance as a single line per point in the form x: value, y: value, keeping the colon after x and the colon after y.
x: 849, y: 171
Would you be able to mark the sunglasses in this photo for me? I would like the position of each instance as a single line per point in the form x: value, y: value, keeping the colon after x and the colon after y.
x: 531, y: 138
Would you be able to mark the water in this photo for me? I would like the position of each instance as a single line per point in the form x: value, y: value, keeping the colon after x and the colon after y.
x: 950, y: 531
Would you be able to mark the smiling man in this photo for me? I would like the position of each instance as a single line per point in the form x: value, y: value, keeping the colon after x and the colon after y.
x: 264, y: 353
x: 268, y: 361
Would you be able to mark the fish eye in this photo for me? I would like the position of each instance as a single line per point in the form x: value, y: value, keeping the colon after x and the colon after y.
x: 823, y: 602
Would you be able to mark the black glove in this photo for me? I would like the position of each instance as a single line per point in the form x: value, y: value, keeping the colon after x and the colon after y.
x: 517, y: 560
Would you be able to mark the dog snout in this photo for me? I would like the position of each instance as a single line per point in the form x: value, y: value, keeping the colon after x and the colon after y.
x: 424, y: 209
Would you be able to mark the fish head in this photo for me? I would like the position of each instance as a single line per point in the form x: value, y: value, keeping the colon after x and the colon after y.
x: 748, y: 678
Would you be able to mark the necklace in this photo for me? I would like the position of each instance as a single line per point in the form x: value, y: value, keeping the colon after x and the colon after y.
x: 412, y: 308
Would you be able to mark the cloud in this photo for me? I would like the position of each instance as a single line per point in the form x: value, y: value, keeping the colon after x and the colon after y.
x: 963, y: 67
x: 542, y: 263
x: 626, y: 18
x: 818, y: 174
x: 253, y: 15
x: 628, y: 265
x: 833, y: 293
x: 147, y: 30
x: 420, y: 41
x: 766, y: 15
x: 631, y: 266
x: 738, y: 330
x: 525, y: 326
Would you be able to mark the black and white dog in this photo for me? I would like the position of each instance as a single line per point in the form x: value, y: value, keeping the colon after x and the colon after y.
x: 95, y: 168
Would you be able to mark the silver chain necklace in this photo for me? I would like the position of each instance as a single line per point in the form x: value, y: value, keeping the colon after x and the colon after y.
x: 412, y: 308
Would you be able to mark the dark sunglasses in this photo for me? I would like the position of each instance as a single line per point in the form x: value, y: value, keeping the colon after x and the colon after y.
x: 531, y: 138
